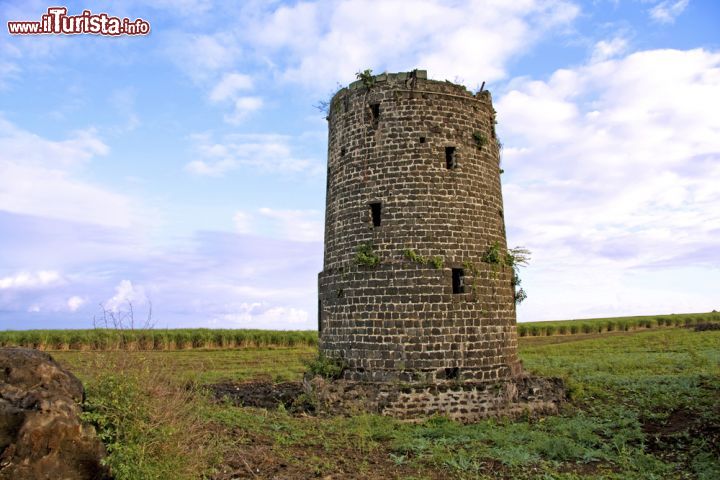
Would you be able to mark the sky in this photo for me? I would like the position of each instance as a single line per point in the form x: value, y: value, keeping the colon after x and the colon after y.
x: 184, y: 170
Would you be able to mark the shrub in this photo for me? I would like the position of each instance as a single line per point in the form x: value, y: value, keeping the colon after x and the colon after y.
x: 326, y: 367
x: 148, y: 424
x: 365, y: 255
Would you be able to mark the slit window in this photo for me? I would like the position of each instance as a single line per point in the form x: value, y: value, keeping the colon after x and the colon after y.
x: 320, y: 316
x: 458, y: 280
x: 450, y: 158
x: 375, y: 114
x: 376, y: 213
x: 422, y: 139
x: 343, y: 151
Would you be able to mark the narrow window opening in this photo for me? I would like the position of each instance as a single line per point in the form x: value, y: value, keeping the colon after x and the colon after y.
x: 376, y: 212
x: 375, y: 112
x: 458, y: 280
x: 450, y: 159
x: 422, y: 139
x: 452, y: 373
x: 343, y: 151
x: 320, y: 325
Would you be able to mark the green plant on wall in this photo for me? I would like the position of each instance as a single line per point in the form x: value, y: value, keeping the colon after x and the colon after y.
x: 480, y: 140
x: 366, y: 255
x: 366, y: 77
x: 514, y: 258
x: 413, y: 256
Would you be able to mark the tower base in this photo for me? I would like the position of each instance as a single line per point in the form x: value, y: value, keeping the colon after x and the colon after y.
x: 465, y: 402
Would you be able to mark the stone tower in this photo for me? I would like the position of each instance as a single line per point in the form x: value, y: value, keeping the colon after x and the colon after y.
x: 413, y: 204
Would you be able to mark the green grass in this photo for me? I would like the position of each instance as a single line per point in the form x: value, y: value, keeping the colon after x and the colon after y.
x: 613, y: 324
x: 204, y: 366
x: 644, y: 405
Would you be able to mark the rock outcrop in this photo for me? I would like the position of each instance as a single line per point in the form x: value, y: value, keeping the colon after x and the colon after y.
x: 41, y: 434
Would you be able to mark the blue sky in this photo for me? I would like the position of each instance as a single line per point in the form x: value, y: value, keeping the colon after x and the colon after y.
x: 186, y: 168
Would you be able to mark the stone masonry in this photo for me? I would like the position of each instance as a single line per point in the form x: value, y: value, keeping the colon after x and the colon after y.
x: 414, y: 179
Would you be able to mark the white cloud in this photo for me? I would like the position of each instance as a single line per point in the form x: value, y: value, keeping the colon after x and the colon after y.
x: 610, y: 168
x: 298, y: 225
x: 25, y: 280
x: 19, y: 145
x: 323, y: 42
x: 126, y: 293
x: 257, y: 315
x: 229, y: 86
x: 202, y: 56
x: 244, y: 106
x: 242, y: 222
x: 606, y: 49
x: 265, y: 152
x: 668, y: 11
x: 301, y: 225
x: 75, y: 302
x: 37, y: 177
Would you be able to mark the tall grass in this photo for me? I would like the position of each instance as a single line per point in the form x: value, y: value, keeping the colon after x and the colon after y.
x: 148, y: 422
x: 617, y: 324
x: 203, y: 338
x: 175, y: 339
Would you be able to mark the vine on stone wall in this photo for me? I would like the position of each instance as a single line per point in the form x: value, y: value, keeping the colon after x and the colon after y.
x: 514, y: 258
x: 435, y: 261
x: 366, y: 255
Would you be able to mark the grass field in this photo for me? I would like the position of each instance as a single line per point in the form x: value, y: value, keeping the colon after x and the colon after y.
x: 644, y: 404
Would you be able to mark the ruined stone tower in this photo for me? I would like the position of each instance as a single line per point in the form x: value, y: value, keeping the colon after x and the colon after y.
x: 413, y: 204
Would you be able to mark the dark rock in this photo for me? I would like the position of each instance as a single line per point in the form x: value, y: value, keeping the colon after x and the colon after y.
x: 41, y: 435
x: 260, y: 394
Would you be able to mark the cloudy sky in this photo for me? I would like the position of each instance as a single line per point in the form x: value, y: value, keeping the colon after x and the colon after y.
x: 186, y: 168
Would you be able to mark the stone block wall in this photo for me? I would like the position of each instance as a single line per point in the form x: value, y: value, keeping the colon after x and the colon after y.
x: 413, y: 165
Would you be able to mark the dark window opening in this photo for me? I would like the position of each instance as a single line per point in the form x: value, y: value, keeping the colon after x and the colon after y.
x: 422, y: 139
x: 458, y: 280
x: 450, y: 160
x: 376, y: 211
x: 452, y: 373
x: 320, y: 316
x: 375, y: 112
x: 343, y: 151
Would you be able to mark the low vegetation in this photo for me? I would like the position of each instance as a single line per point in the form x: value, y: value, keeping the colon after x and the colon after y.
x: 205, y: 339
x: 155, y: 339
x: 643, y: 404
x: 615, y: 324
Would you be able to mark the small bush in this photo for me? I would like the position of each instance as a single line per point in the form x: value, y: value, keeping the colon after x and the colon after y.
x: 365, y: 255
x: 326, y: 367
x: 148, y: 424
